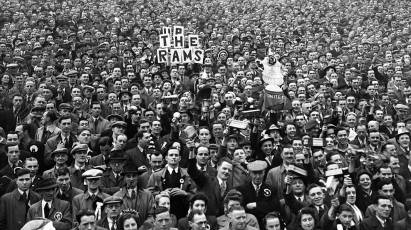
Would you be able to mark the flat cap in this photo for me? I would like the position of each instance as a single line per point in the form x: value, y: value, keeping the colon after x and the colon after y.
x: 401, y: 107
x: 59, y: 151
x: 119, y: 124
x: 79, y: 148
x: 257, y: 165
x: 113, y: 200
x: 92, y: 173
x: 65, y: 106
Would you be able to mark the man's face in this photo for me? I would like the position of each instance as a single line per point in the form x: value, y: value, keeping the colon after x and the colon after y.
x: 63, y: 182
x: 47, y: 195
x: 12, y: 137
x: 173, y: 157
x: 346, y: 218
x: 202, y: 156
x: 387, y: 190
x: 33, y: 166
x: 297, y: 186
x: 65, y: 125
x: 238, y: 219
x: 162, y: 221
x: 316, y: 196
x: 145, y: 140
x: 13, y: 154
x: 199, y: 205
x: 199, y: 222
x: 93, y: 183
x: 386, y: 173
x: 17, y: 101
x: 224, y: 170
x: 23, y: 182
x: 112, y: 210
x: 288, y: 155
x: 384, y: 208
x: 156, y: 161
x: 87, y: 223
x: 351, y: 195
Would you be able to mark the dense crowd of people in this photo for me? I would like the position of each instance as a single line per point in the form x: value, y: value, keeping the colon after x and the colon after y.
x: 299, y: 117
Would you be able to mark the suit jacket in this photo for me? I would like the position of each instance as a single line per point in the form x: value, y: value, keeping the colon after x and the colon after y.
x: 76, y: 178
x: 138, y: 157
x: 402, y: 224
x: 103, y: 223
x: 13, y: 209
x: 84, y: 201
x: 40, y: 133
x: 210, y: 187
x: 267, y: 201
x: 102, y: 125
x: 60, y: 211
x: 275, y: 179
x: 239, y: 175
x: 51, y: 145
x: 143, y: 203
x: 110, y: 184
x: 372, y: 223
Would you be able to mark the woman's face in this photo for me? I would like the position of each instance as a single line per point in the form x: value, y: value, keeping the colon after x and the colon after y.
x: 307, y: 222
x: 365, y: 182
x: 273, y: 224
x: 5, y: 79
x: 130, y: 224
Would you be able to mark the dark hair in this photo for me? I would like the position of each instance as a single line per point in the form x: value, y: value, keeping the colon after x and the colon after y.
x: 123, y: 218
x: 83, y: 212
x: 345, y: 207
x: 64, y: 118
x: 380, y: 197
x: 307, y: 211
x: 235, y: 195
x: 159, y: 210
x: 273, y: 215
x: 52, y: 114
x: 222, y: 160
x: 11, y: 144
x: 62, y: 172
x: 198, y: 196
x: 104, y: 140
x: 31, y: 130
x: 311, y: 186
x: 383, y: 182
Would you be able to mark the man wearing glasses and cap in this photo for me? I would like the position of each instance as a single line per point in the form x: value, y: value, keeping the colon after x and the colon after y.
x: 93, y: 197
x: 112, y: 208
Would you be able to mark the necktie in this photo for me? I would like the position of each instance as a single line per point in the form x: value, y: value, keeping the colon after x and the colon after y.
x: 320, y: 212
x: 66, y: 143
x: 93, y: 197
x: 257, y: 189
x: 299, y: 199
x: 133, y: 194
x: 95, y: 125
x: 46, y: 211
x: 26, y: 201
x: 113, y: 225
x: 223, y: 187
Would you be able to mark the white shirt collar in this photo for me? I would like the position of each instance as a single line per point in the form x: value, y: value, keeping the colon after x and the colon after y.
x: 199, y: 167
x: 170, y: 170
x: 21, y: 192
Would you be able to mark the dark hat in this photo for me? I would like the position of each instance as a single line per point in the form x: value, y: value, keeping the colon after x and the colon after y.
x: 21, y: 171
x: 125, y: 92
x: 118, y: 117
x: 117, y: 155
x: 113, y: 200
x: 38, y: 109
x: 61, y: 78
x: 119, y: 124
x: 257, y: 165
x: 79, y: 148
x: 59, y: 151
x: 130, y: 168
x: 65, y: 106
x: 92, y: 174
x: 46, y: 184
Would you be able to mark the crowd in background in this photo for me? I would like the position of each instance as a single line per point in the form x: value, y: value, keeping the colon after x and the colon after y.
x: 96, y: 134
